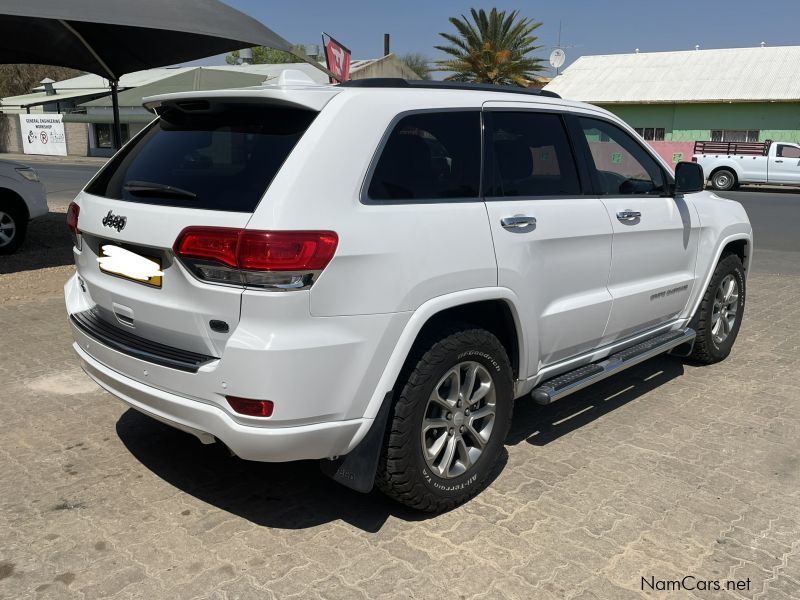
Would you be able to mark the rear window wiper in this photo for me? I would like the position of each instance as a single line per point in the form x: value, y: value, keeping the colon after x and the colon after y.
x: 149, y: 188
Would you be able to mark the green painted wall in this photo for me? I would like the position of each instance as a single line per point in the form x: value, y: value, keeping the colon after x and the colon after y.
x: 777, y: 121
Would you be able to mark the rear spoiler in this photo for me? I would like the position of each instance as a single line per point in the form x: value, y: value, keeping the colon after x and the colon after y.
x: 309, y: 98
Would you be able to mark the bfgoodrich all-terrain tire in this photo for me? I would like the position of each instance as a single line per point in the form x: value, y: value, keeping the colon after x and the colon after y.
x: 720, y: 314
x: 449, y: 420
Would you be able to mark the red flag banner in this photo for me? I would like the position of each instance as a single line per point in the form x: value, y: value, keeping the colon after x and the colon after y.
x: 337, y: 57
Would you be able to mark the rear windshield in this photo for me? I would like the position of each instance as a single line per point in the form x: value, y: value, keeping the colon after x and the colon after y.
x: 219, y: 160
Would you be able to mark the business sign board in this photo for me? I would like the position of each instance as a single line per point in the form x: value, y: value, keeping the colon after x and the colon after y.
x: 337, y: 57
x: 43, y: 133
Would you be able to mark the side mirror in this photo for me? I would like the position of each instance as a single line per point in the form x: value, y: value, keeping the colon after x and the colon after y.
x: 689, y: 178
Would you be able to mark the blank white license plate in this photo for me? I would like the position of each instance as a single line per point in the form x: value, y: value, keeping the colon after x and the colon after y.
x: 120, y: 262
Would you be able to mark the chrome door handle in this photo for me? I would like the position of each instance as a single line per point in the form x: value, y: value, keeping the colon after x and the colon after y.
x: 628, y: 215
x: 518, y: 223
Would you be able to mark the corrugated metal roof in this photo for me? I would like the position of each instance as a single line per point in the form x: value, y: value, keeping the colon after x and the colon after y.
x: 199, y: 78
x: 135, y: 79
x: 177, y: 79
x: 38, y: 98
x: 90, y: 81
x: 221, y: 77
x: 273, y: 70
x: 723, y: 75
x: 139, y: 78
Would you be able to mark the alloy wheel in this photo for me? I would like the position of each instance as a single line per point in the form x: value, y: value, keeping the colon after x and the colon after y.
x: 459, y: 418
x: 8, y: 228
x: 725, y: 309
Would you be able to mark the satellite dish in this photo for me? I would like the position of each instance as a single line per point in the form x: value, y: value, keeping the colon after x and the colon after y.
x: 557, y: 58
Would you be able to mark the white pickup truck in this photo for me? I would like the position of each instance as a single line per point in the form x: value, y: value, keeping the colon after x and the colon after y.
x: 729, y: 164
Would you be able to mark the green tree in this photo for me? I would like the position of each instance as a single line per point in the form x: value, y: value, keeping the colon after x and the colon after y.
x: 263, y: 55
x: 419, y: 63
x: 494, y: 48
x: 18, y: 79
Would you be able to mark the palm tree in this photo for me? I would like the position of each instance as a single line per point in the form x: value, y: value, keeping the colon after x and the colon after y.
x: 494, y: 48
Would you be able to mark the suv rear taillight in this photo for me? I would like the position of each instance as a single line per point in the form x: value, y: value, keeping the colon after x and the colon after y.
x: 281, y: 260
x: 72, y: 223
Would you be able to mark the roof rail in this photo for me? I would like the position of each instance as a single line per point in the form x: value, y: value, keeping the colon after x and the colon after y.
x: 396, y: 82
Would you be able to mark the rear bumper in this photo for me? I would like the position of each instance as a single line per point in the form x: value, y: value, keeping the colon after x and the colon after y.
x: 319, y: 372
x: 207, y: 422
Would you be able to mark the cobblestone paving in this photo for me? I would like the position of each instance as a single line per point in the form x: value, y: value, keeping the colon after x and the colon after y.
x: 665, y: 471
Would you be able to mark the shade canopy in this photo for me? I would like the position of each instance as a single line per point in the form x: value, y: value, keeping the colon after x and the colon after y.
x: 114, y: 37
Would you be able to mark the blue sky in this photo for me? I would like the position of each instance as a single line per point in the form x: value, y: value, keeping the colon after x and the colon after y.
x: 590, y: 26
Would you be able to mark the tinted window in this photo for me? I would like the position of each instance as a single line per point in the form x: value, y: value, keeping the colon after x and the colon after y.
x: 220, y: 160
x: 430, y: 156
x: 532, y: 156
x: 623, y: 166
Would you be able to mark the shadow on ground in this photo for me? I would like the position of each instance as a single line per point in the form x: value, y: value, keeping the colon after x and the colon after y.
x: 48, y: 244
x: 776, y: 189
x: 280, y: 495
x: 297, y: 495
x: 540, y: 425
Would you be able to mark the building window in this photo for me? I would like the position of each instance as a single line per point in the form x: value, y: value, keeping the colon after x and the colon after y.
x: 734, y: 135
x: 103, y: 137
x: 651, y: 134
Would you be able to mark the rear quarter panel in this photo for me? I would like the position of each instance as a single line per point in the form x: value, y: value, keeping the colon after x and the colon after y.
x: 391, y: 257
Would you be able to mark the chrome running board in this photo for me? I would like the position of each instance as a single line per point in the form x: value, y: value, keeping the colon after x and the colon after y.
x: 572, y: 381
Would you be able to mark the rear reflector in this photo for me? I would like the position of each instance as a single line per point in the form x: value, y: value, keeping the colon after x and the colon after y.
x: 251, y: 408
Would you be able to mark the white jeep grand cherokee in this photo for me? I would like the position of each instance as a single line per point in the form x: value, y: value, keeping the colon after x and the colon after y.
x: 371, y: 273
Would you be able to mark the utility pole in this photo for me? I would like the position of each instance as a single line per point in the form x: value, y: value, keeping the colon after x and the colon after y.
x: 558, y: 44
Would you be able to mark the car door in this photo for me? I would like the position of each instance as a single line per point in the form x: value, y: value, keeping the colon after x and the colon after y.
x: 654, y: 247
x: 552, y: 238
x: 784, y: 167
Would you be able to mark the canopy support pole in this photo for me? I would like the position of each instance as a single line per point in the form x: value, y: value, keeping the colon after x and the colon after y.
x: 116, y: 134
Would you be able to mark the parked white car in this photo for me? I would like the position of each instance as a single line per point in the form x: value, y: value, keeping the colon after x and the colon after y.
x: 372, y: 273
x: 22, y: 198
x: 730, y: 164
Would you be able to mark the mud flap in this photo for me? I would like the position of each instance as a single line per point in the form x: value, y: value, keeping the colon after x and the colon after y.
x: 356, y: 469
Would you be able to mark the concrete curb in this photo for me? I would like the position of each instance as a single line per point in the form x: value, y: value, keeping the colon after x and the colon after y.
x: 94, y: 161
